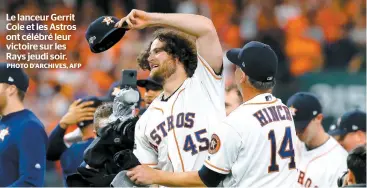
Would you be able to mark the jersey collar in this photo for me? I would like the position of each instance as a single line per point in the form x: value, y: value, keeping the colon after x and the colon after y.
x: 262, y: 99
x: 159, y: 98
x: 13, y: 114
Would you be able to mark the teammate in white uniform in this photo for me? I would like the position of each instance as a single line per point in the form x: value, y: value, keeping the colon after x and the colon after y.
x: 322, y: 158
x: 253, y: 147
x: 175, y: 128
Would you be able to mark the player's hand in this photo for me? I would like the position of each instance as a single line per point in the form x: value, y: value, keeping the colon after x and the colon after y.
x: 116, y: 90
x: 77, y: 112
x: 136, y: 19
x: 143, y: 175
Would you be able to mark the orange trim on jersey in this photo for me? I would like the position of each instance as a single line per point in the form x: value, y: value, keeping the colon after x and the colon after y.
x: 176, y: 100
x: 221, y: 169
x: 149, y: 164
x: 261, y: 103
x: 174, y: 133
x: 210, y: 69
x: 160, y: 109
x: 320, y: 156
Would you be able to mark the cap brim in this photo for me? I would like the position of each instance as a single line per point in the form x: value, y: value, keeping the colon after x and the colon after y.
x: 106, y: 98
x: 301, y: 125
x: 152, y: 85
x: 141, y: 83
x: 232, y: 56
x: 337, y: 132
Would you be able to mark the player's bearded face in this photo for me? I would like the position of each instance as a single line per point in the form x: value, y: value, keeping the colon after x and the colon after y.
x: 162, y: 65
x: 164, y: 71
x: 3, y: 99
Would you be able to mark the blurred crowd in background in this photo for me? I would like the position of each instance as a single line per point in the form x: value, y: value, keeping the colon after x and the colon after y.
x: 322, y: 37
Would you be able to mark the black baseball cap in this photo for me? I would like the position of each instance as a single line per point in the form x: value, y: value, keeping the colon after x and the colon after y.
x: 256, y: 59
x: 150, y: 84
x: 102, y: 33
x: 96, y: 103
x: 304, y: 107
x: 14, y: 76
x: 350, y: 121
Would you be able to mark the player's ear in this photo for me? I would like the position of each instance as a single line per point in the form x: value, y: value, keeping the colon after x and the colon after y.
x: 243, y: 77
x: 11, y: 90
x: 320, y: 117
x: 350, y: 178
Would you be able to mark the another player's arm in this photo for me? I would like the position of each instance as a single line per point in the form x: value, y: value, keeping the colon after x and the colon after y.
x: 145, y: 175
x: 77, y: 112
x: 56, y: 145
x: 201, y: 27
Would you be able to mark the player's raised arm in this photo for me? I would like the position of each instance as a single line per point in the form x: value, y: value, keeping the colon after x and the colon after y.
x: 144, y: 175
x: 202, y: 28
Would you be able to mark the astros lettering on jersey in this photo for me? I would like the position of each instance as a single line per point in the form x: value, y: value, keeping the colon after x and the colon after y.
x: 255, y: 145
x: 322, y: 166
x: 174, y: 134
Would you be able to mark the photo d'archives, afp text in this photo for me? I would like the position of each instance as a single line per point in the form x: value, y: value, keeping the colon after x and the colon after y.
x: 45, y: 65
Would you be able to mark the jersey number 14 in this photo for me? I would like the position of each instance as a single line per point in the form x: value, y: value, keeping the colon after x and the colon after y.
x: 283, y: 152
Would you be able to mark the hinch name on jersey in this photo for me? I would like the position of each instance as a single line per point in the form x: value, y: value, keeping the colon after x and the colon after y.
x: 273, y: 113
x: 181, y: 120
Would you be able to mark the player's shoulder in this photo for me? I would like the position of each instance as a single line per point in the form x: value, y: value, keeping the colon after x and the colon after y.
x: 143, y: 119
x: 31, y: 122
x: 149, y: 117
x: 240, y: 120
x: 338, y: 152
x: 342, y: 152
x: 32, y: 126
x: 204, y: 66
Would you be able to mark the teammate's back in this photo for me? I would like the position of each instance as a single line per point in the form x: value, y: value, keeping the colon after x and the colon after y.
x: 266, y: 133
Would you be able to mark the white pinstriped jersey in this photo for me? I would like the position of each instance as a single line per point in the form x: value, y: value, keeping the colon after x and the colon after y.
x: 254, y: 145
x: 174, y: 134
x: 322, y: 166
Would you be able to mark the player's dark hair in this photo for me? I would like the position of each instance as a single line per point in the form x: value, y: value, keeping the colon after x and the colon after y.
x: 102, y: 112
x: 21, y: 95
x: 356, y: 163
x: 262, y: 86
x: 177, y: 44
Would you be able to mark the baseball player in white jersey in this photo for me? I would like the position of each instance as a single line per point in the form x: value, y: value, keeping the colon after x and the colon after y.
x: 322, y: 158
x: 254, y: 145
x: 173, y: 133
